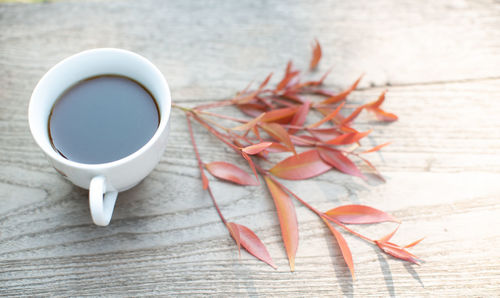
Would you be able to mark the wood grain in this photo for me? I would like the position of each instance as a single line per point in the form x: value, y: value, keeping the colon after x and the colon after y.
x: 440, y: 61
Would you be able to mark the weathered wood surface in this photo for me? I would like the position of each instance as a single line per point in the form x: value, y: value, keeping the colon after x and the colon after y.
x: 441, y: 60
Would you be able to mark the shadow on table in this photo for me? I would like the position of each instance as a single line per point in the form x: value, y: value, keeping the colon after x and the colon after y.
x: 386, y: 271
x: 341, y: 270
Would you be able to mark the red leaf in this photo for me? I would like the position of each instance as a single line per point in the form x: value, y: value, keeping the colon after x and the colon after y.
x: 348, y: 138
x: 279, y: 115
x: 316, y: 55
x: 300, y: 116
x: 376, y: 148
x: 293, y: 96
x: 383, y: 115
x: 322, y: 92
x: 246, y: 238
x: 252, y: 109
x: 359, y: 214
x: 397, y: 252
x: 256, y: 148
x: 342, y: 95
x: 230, y: 172
x: 304, y: 140
x: 344, y: 248
x: 324, y: 134
x: 328, y: 117
x: 287, y: 218
x: 339, y: 161
x: 235, y: 233
x: 277, y: 132
x: 302, y: 166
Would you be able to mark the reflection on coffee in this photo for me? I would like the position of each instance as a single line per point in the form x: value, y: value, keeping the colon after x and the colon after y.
x: 103, y: 119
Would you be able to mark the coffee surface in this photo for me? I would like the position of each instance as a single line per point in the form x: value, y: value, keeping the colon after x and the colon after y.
x: 102, y: 119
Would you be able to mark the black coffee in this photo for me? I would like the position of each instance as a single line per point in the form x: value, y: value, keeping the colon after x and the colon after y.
x: 103, y: 119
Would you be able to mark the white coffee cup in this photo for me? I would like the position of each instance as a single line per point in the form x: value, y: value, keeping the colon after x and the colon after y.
x: 105, y: 180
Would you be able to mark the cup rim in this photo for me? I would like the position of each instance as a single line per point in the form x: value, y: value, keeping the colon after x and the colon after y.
x: 164, y: 112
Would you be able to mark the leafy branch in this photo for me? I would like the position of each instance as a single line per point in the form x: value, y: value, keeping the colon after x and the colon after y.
x: 277, y: 123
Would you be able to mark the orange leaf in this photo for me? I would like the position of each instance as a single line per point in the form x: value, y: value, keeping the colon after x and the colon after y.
x: 256, y: 148
x: 383, y: 115
x: 359, y: 214
x: 230, y: 172
x: 371, y: 166
x: 348, y: 138
x: 388, y: 237
x: 300, y: 116
x: 316, y: 55
x: 287, y: 218
x: 413, y: 243
x: 353, y: 115
x: 376, y: 148
x: 277, y: 132
x: 204, y: 179
x: 277, y: 147
x: 301, y: 166
x: 313, y: 83
x: 378, y: 102
x: 263, y: 84
x: 246, y: 238
x: 279, y: 115
x: 344, y: 248
x: 339, y: 161
x: 342, y: 95
x: 397, y: 252
x: 245, y: 98
x: 250, y: 124
x: 289, y: 74
x: 328, y: 117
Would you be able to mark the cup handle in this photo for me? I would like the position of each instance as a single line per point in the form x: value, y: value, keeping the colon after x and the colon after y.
x: 101, y: 201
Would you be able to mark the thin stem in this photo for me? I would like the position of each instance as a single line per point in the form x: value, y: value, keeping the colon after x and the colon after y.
x: 222, y: 103
x: 200, y: 165
x: 215, y: 133
x: 174, y: 105
x: 222, y: 116
x: 195, y: 148
x: 216, y: 205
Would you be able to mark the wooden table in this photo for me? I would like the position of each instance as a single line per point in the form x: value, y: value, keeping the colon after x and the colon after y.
x: 440, y: 61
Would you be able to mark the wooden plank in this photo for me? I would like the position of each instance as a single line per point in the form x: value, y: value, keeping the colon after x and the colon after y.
x: 165, y: 237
